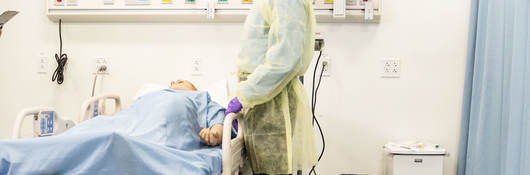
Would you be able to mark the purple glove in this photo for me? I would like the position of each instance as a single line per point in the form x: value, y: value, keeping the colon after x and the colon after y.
x: 234, y: 107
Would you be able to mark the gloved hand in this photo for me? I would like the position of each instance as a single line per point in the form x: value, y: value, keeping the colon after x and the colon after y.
x: 233, y: 107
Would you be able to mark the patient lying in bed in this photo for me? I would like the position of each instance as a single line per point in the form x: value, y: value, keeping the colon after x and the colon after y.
x: 213, y: 135
x: 171, y: 131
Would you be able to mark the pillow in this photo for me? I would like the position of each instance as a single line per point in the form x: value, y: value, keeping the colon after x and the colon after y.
x: 148, y: 88
x: 218, y: 91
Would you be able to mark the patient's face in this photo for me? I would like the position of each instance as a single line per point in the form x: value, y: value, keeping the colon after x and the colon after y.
x: 182, y: 85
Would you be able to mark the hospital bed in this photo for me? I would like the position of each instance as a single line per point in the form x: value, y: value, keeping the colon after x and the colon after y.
x: 233, y: 156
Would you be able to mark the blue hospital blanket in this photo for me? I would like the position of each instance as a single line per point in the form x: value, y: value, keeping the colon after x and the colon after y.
x: 158, y: 134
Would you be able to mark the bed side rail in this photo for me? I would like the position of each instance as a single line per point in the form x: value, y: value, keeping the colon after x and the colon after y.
x: 22, y: 115
x: 87, y: 109
x: 232, y: 148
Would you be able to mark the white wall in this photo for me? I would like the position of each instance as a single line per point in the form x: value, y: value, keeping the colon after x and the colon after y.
x: 360, y: 111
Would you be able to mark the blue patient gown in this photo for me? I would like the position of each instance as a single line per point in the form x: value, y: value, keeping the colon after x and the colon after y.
x: 158, y: 134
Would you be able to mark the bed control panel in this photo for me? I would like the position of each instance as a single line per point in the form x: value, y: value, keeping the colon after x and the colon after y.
x: 47, y: 123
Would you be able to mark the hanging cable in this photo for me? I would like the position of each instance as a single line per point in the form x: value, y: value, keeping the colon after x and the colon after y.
x: 313, y: 86
x: 314, y: 93
x: 94, y: 84
x: 100, y: 70
x: 61, y: 59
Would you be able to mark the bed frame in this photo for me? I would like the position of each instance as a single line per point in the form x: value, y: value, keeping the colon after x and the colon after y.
x: 87, y: 109
x: 233, y: 154
x: 25, y: 113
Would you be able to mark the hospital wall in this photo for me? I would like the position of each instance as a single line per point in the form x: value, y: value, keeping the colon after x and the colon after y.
x: 359, y: 111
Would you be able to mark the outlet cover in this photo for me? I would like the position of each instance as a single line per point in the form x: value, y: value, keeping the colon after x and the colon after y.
x: 43, y: 64
x: 391, y: 68
x: 196, y: 66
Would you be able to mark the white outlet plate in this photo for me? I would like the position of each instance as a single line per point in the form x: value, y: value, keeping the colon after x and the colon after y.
x: 101, y: 61
x: 196, y: 66
x: 42, y: 64
x: 391, y: 68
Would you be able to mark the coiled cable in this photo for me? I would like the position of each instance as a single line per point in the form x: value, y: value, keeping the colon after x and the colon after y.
x: 61, y: 59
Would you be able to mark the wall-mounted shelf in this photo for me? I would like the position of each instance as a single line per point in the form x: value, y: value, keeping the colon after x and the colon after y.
x: 119, y: 11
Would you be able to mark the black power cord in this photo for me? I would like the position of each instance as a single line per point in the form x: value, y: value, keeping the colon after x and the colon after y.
x: 314, y: 93
x: 61, y: 60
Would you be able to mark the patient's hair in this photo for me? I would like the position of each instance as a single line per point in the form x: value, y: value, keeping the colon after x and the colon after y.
x: 182, y: 85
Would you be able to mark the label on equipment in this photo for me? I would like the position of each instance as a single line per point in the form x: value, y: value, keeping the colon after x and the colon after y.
x: 42, y: 126
x: 137, y: 2
x: 59, y: 3
x: 71, y: 3
x: 368, y: 10
x: 108, y: 2
x: 50, y: 122
x: 96, y: 111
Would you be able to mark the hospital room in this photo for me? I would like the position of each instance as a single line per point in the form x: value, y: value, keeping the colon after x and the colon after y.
x: 211, y: 87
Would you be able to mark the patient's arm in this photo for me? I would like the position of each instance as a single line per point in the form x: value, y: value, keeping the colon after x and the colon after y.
x: 213, y: 136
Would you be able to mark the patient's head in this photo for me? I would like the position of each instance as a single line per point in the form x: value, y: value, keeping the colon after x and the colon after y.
x: 182, y: 85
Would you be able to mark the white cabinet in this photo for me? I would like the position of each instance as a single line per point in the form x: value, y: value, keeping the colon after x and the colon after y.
x: 414, y: 158
x: 415, y: 165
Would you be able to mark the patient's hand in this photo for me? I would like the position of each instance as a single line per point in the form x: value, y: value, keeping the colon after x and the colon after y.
x: 213, y: 136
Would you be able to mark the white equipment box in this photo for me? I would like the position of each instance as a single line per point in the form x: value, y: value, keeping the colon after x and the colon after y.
x: 368, y: 11
x: 404, y: 159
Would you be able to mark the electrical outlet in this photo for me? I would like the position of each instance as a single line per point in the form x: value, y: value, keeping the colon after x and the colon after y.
x: 43, y: 64
x: 326, y: 63
x: 102, y: 66
x: 196, y: 66
x: 391, y: 68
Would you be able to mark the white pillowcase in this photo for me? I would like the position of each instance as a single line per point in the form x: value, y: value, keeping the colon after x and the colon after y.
x: 148, y: 88
x: 218, y: 91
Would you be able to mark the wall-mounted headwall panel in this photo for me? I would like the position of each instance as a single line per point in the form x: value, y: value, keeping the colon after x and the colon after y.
x: 198, y: 10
